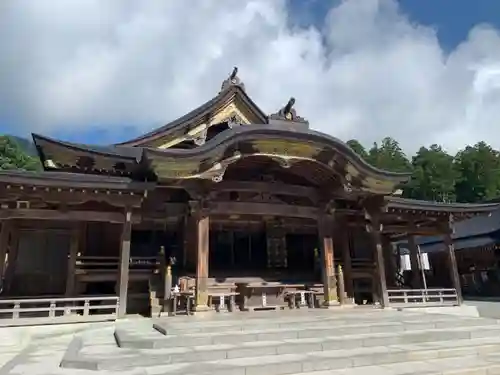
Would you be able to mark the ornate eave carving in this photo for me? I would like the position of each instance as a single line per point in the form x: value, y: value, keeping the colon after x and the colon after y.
x: 288, y: 115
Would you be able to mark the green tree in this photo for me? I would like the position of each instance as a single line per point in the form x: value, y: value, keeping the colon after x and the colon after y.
x: 433, y: 176
x: 478, y: 169
x: 358, y: 148
x: 389, y: 156
x: 12, y: 157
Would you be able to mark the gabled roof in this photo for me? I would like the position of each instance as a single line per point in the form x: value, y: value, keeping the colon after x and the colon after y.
x: 473, y: 227
x: 199, y: 115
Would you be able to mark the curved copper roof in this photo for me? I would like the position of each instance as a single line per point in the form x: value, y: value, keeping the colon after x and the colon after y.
x: 288, y: 145
x: 233, y: 139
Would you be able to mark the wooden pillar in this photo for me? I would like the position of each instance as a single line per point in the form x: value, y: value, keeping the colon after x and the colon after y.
x: 202, y: 221
x: 452, y: 262
x: 74, y: 247
x: 374, y: 227
x: 124, y: 264
x: 327, y: 260
x: 347, y: 263
x: 12, y: 256
x: 4, y: 245
x: 416, y: 278
x: 390, y: 262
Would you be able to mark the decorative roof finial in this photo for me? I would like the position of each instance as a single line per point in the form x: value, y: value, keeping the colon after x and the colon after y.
x: 232, y: 80
x: 288, y: 114
x: 287, y: 110
x: 233, y: 74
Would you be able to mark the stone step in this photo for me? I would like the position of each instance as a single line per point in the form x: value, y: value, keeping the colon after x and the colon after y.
x: 296, y: 315
x: 169, y: 326
x: 467, y: 365
x: 358, y: 356
x: 304, y: 362
x: 128, y: 338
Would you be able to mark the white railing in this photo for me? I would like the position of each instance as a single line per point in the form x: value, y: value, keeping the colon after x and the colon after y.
x: 423, y: 297
x: 32, y: 311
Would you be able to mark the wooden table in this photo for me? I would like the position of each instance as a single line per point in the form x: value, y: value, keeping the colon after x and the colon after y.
x: 275, y: 291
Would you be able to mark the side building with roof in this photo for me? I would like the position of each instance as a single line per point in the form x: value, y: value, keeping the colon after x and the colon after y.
x: 224, y: 198
x: 477, y: 245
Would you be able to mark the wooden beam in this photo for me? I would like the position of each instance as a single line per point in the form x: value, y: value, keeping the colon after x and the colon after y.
x: 166, y: 210
x: 72, y: 215
x: 275, y: 188
x: 262, y: 209
x: 420, y: 231
x: 114, y: 198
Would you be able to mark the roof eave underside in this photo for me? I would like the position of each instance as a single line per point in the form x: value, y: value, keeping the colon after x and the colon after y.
x: 75, y: 180
x: 458, y: 244
x: 452, y: 208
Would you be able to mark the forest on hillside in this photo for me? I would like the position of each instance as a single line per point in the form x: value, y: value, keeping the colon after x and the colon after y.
x: 472, y: 175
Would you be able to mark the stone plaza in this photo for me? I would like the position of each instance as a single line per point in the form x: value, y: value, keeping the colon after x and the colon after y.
x: 336, y: 341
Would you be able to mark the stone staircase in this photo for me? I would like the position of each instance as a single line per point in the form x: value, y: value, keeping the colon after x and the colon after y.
x: 315, y: 342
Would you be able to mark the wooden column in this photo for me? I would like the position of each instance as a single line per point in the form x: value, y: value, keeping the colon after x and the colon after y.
x: 73, y: 252
x: 390, y: 262
x: 452, y: 261
x: 12, y: 256
x: 4, y: 245
x: 327, y: 260
x: 347, y: 262
x: 416, y: 278
x: 374, y: 227
x: 124, y: 263
x: 202, y: 252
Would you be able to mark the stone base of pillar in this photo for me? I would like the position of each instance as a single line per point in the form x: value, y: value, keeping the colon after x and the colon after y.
x: 328, y: 304
x: 203, y: 309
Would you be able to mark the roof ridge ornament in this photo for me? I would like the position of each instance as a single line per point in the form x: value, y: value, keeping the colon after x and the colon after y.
x: 288, y: 115
x: 232, y: 80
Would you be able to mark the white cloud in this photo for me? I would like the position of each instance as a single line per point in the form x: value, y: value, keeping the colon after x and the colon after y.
x: 369, y: 73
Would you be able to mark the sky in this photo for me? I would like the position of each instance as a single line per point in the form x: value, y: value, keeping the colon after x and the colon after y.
x: 89, y: 71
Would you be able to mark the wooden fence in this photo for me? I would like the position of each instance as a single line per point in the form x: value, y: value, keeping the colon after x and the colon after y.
x: 422, y: 297
x: 34, y: 311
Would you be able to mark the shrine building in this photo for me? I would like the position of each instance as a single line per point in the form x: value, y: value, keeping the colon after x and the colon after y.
x: 226, y: 197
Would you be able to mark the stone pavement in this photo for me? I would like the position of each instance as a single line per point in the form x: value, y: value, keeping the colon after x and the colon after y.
x: 314, y: 342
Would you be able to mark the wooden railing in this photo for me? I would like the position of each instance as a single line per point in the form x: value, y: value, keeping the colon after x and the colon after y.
x: 423, y: 297
x: 33, y: 311
x: 360, y: 264
x: 101, y: 263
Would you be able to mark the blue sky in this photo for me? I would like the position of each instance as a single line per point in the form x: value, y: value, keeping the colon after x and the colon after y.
x: 452, y: 19
x: 85, y: 73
